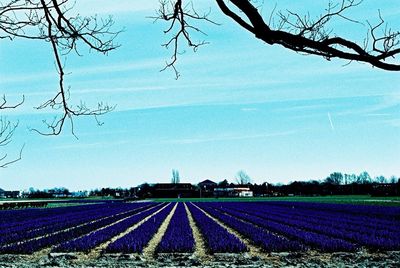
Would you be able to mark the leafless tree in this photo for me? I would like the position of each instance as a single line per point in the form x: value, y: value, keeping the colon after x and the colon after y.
x: 7, y: 129
x: 48, y: 21
x: 175, y: 177
x: 300, y: 33
x: 335, y: 178
x: 380, y: 179
x: 242, y: 177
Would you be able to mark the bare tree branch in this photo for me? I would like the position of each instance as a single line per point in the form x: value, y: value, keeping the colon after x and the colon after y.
x: 305, y: 35
x: 300, y: 33
x: 182, y: 21
x: 48, y: 20
x: 3, y: 103
x: 8, y: 163
x: 7, y: 130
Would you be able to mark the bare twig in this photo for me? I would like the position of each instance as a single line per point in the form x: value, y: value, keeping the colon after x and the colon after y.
x: 300, y: 33
x: 181, y: 21
x: 306, y: 35
x: 7, y: 130
x: 48, y: 20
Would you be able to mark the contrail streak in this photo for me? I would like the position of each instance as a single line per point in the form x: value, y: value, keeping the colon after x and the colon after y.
x: 330, y: 121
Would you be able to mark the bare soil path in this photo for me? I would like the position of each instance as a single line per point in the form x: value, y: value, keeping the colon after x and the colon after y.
x: 200, y: 246
x: 149, y: 250
x: 305, y: 259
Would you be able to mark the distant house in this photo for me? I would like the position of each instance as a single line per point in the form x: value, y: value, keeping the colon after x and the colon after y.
x: 246, y: 193
x: 233, y: 192
x: 173, y: 190
x: 207, y: 184
x: 9, y: 194
x: 79, y: 194
x: 385, y: 189
x: 206, y: 188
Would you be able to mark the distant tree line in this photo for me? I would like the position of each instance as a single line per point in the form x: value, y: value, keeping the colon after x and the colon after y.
x: 47, y: 193
x: 113, y: 192
x: 336, y: 183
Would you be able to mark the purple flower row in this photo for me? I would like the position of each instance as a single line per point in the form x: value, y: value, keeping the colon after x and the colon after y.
x: 93, y: 239
x: 56, y: 223
x: 217, y: 238
x: 178, y: 236
x: 376, y: 239
x: 136, y: 240
x: 52, y: 239
x: 314, y: 240
x: 13, y: 218
x: 261, y: 237
x: 321, y: 213
x: 383, y: 212
x: 334, y: 227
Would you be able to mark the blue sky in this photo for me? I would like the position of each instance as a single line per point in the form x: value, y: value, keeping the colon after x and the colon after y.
x: 238, y: 104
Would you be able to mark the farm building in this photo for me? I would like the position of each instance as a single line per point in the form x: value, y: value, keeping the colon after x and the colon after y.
x: 173, y: 190
x: 207, y: 185
x: 206, y: 188
x: 233, y: 192
x: 8, y: 194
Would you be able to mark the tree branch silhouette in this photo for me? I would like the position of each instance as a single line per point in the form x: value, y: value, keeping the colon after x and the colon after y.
x: 48, y: 21
x: 182, y: 23
x: 7, y: 130
x: 302, y: 34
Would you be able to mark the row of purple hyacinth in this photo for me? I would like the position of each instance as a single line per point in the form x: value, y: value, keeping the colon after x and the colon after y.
x: 329, y: 234
x: 273, y: 226
x: 136, y: 240
x: 95, y: 238
x: 56, y: 236
x: 48, y: 225
x: 179, y: 236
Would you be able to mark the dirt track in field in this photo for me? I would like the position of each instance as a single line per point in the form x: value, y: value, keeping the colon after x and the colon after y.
x: 150, y: 249
x: 305, y: 259
x: 200, y: 247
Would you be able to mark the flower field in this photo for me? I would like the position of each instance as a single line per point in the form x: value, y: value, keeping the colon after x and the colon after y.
x: 209, y: 227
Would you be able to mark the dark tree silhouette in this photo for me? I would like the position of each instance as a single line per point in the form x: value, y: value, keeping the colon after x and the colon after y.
x: 48, y: 21
x: 7, y: 129
x: 335, y: 178
x: 302, y: 34
x: 242, y: 177
x: 175, y: 177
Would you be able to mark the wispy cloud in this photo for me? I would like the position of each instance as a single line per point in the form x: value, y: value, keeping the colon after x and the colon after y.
x: 26, y: 77
x: 90, y: 7
x: 105, y: 7
x: 184, y: 141
x: 80, y: 145
x: 249, y: 109
x: 230, y: 138
x: 394, y: 122
x: 378, y: 114
x: 84, y: 71
x: 308, y: 107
